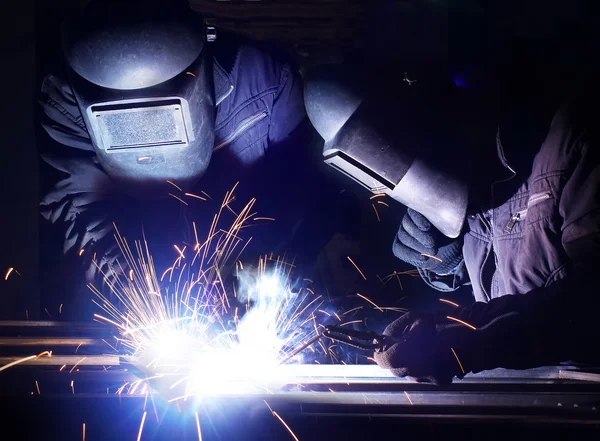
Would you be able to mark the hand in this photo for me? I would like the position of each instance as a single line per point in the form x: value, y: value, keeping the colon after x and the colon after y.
x: 87, y: 182
x: 423, y: 246
x: 108, y: 264
x: 417, y: 351
x: 512, y: 332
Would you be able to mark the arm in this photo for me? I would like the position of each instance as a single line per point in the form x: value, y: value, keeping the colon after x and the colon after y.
x: 61, y: 117
x: 288, y: 106
x: 547, y: 325
x: 556, y: 322
x: 82, y: 201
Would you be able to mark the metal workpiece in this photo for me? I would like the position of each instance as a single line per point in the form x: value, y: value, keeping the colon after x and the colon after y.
x: 48, y: 328
x: 320, y: 402
x: 111, y: 395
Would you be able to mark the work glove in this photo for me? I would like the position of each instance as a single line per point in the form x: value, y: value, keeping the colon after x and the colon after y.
x: 417, y: 349
x: 106, y: 261
x: 420, y: 244
x: 434, y: 349
x: 87, y: 202
x: 543, y: 327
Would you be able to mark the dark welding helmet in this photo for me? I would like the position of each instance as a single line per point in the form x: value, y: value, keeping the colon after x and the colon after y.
x: 143, y: 80
x: 383, y: 138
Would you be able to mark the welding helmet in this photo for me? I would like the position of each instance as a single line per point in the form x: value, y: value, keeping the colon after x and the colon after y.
x: 379, y: 132
x: 142, y: 78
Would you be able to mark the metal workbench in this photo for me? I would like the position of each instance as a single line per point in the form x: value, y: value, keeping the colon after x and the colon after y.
x: 41, y: 401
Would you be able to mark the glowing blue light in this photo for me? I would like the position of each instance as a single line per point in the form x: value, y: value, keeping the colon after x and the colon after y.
x: 269, y: 286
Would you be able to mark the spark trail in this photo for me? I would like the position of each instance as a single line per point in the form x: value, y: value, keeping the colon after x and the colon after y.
x: 208, y: 326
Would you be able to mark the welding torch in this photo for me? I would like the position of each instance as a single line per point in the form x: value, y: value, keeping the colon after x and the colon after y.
x: 369, y: 341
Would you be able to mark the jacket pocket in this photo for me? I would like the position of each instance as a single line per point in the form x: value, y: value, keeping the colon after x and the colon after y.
x: 242, y: 127
x: 520, y: 215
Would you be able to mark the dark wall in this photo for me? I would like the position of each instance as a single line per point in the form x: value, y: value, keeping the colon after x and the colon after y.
x: 19, y: 165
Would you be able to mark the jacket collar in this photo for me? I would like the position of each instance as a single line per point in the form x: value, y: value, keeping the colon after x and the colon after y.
x: 222, y: 81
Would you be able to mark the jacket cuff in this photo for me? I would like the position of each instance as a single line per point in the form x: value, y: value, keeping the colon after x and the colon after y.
x: 450, y: 282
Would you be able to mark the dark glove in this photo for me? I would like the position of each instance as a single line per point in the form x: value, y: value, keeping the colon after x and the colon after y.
x: 418, y: 351
x: 512, y: 332
x: 82, y: 202
x: 546, y: 326
x: 87, y: 203
x: 417, y: 239
x: 105, y: 261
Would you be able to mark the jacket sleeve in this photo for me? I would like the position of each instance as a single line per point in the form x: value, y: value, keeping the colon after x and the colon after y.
x: 288, y: 106
x: 454, y: 280
x: 61, y: 117
x: 81, y: 201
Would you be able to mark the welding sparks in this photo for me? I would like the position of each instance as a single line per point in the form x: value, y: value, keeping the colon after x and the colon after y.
x: 83, y: 433
x: 370, y: 301
x: 408, y: 398
x: 450, y: 303
x: 376, y: 212
x: 276, y: 415
x: 357, y: 268
x: 461, y: 322
x: 350, y: 311
x: 180, y: 251
x: 9, y: 272
x: 457, y: 359
x: 431, y: 257
x: 198, y: 426
x: 76, y: 364
x: 37, y: 386
x: 72, y: 387
x: 174, y: 185
x: 141, y: 426
x: 25, y: 359
x: 195, y: 196
x: 179, y: 199
x: 192, y: 338
x: 378, y: 195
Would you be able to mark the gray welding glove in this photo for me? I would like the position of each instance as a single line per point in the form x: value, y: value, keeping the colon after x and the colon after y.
x: 420, y: 244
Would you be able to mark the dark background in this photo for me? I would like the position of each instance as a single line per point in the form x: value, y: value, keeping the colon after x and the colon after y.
x: 508, y: 33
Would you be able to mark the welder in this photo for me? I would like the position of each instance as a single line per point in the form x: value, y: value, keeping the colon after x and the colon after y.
x: 502, y: 192
x: 155, y: 118
x: 151, y: 102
